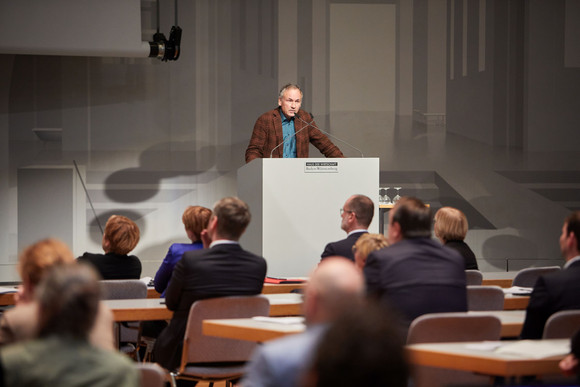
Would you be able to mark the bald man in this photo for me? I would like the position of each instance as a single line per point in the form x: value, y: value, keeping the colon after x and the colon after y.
x: 334, y: 287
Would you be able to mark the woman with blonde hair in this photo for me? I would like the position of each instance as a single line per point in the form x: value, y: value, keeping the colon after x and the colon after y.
x: 365, y: 245
x: 451, y: 228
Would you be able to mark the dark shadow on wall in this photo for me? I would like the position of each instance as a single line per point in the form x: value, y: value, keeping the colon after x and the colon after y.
x: 162, y: 161
x: 103, y: 216
x: 496, y: 251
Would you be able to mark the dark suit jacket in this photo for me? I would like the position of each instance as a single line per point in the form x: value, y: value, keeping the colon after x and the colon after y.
x: 552, y: 293
x: 223, y: 270
x: 342, y: 247
x: 468, y: 256
x: 417, y: 276
x: 113, y: 266
x: 267, y: 135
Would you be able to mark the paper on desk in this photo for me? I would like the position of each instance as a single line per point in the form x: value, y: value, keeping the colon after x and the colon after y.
x: 519, y: 290
x: 485, y: 346
x: 536, y: 349
x: 4, y: 290
x: 280, y: 320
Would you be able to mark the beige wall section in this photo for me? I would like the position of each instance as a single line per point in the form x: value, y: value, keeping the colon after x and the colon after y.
x: 362, y: 57
x: 437, y: 43
x: 287, y: 42
x: 362, y: 77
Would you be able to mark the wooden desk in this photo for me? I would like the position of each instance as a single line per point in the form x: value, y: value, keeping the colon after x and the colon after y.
x: 458, y: 356
x: 143, y: 309
x: 281, y: 288
x: 7, y: 299
x: 152, y: 293
x: 249, y: 329
x: 146, y: 309
x: 516, y: 302
x: 503, y: 279
x: 512, y: 321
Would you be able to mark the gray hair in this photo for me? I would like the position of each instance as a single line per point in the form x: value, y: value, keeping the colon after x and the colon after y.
x: 287, y: 87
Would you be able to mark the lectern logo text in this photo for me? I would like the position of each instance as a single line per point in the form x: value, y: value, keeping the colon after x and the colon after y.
x: 321, y: 167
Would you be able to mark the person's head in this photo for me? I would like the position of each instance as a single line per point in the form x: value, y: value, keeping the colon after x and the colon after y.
x: 357, y: 213
x: 121, y: 235
x: 229, y: 220
x: 290, y: 99
x: 366, y: 244
x: 409, y: 218
x: 37, y: 259
x: 334, y: 286
x: 363, y: 347
x: 195, y: 219
x: 68, y: 301
x: 450, y: 224
x: 569, y: 240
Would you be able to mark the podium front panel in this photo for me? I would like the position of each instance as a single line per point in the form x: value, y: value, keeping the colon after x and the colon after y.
x: 296, y: 204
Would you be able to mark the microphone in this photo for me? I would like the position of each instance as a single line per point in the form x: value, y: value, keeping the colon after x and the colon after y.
x: 325, y: 132
x: 295, y: 133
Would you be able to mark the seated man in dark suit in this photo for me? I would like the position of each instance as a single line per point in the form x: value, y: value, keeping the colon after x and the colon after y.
x: 357, y: 214
x: 224, y: 269
x: 559, y: 290
x: 415, y: 274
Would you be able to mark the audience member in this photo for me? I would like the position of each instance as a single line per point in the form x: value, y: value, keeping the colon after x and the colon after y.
x: 224, y: 269
x: 366, y: 244
x: 415, y: 274
x: 362, y: 348
x: 68, y: 299
x: 120, y: 237
x: 569, y: 365
x: 21, y: 322
x: 334, y: 287
x: 556, y: 291
x: 357, y: 214
x: 195, y: 220
x: 451, y: 227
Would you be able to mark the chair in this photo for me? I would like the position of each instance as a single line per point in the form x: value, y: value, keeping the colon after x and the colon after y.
x: 125, y: 289
x: 527, y: 277
x: 562, y: 324
x: 485, y: 298
x: 213, y: 359
x: 152, y: 375
x: 450, y: 327
x: 474, y: 277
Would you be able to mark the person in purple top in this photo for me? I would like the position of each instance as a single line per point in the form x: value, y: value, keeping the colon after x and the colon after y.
x: 195, y: 220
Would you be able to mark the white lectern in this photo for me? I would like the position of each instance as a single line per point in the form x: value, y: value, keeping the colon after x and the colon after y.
x: 295, y: 205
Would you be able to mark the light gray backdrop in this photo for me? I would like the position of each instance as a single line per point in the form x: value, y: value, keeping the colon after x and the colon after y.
x: 469, y: 103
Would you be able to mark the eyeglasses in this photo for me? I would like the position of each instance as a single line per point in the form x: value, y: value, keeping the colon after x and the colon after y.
x: 342, y: 211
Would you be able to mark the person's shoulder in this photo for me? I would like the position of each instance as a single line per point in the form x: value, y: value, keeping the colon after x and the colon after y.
x: 274, y: 113
x: 90, y: 256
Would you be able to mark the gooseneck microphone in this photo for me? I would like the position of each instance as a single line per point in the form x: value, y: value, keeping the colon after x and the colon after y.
x: 293, y: 134
x: 325, y: 132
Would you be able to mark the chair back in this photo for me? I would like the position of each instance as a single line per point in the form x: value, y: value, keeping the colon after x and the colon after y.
x: 199, y: 348
x: 562, y: 324
x: 123, y: 289
x: 152, y: 375
x: 453, y: 327
x: 485, y: 298
x: 473, y: 277
x: 527, y: 277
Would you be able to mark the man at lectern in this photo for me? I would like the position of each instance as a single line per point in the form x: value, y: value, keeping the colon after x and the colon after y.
x: 287, y: 131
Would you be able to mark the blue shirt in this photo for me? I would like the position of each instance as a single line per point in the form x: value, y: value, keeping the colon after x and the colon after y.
x: 287, y: 131
x: 173, y: 256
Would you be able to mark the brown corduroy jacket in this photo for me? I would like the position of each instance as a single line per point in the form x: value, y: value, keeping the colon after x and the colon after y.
x: 267, y: 135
